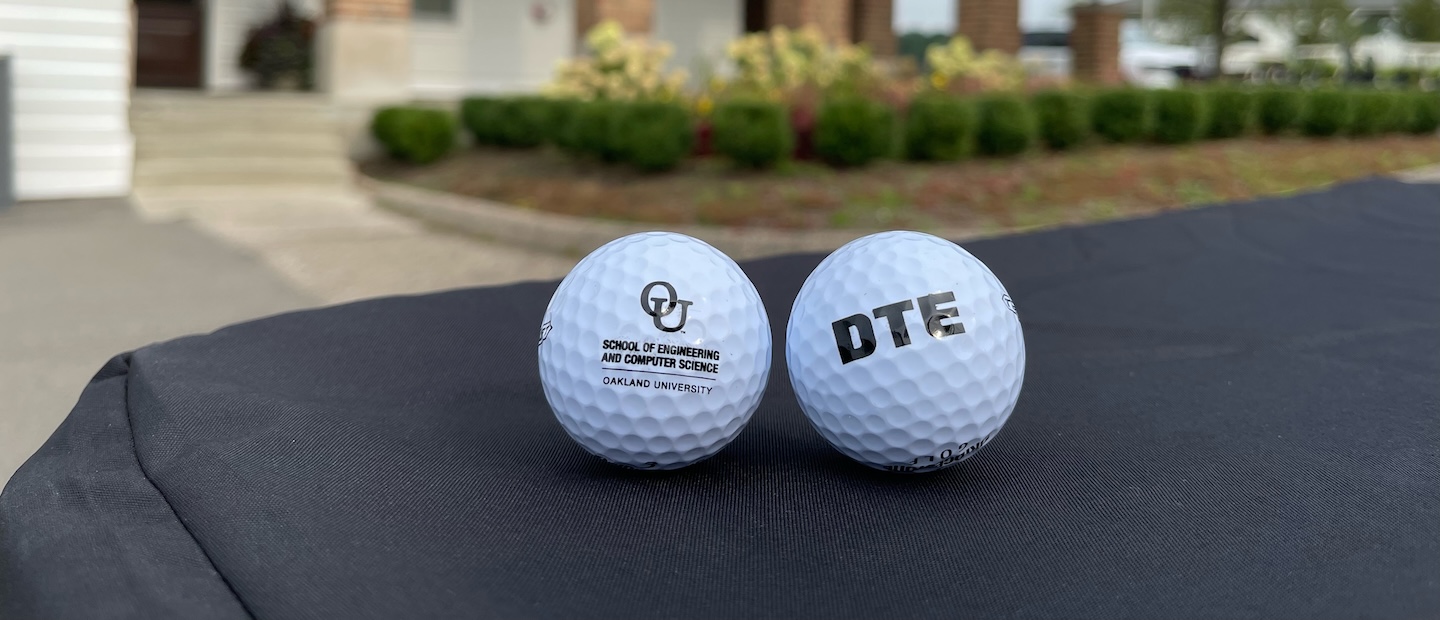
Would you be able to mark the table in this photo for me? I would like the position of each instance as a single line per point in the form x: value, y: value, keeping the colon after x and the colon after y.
x: 1229, y: 412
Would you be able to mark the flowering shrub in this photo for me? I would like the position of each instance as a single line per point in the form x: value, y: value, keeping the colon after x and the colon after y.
x: 618, y: 68
x: 777, y: 63
x: 956, y: 66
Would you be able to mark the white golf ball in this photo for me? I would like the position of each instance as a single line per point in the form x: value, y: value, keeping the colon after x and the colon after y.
x: 905, y: 352
x: 654, y: 351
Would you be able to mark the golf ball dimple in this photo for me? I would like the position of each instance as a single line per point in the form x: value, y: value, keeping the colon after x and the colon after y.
x: 654, y: 351
x: 905, y: 352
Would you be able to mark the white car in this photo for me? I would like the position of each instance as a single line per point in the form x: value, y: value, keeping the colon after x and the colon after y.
x: 1150, y: 63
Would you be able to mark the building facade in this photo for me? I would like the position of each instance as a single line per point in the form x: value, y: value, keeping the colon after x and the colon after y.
x: 76, y: 62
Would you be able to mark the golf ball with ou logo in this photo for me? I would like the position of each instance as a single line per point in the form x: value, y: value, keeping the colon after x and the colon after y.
x: 905, y: 352
x: 655, y: 351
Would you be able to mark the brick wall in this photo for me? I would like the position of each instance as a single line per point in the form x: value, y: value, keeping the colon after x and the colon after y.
x: 991, y: 24
x: 635, y: 16
x: 1095, y: 43
x: 874, y: 26
x: 368, y: 9
x: 832, y: 17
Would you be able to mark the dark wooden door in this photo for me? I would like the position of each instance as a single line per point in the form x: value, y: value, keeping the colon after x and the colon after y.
x: 167, y: 43
x: 757, y: 15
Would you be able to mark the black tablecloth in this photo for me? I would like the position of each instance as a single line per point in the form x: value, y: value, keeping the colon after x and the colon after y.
x: 1228, y: 412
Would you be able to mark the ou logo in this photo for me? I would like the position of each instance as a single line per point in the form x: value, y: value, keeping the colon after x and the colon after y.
x: 660, y: 307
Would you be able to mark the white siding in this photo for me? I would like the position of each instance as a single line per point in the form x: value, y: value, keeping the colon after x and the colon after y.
x: 511, y: 48
x: 437, y: 53
x: 699, y: 30
x: 70, y: 66
x: 227, y: 22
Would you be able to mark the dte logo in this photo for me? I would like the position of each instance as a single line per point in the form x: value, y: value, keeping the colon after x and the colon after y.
x: 660, y: 307
x: 894, y: 315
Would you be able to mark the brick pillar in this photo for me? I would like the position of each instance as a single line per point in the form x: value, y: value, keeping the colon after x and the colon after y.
x: 831, y: 17
x: 874, y: 26
x: 362, y: 50
x: 991, y: 24
x: 635, y: 16
x: 1095, y: 43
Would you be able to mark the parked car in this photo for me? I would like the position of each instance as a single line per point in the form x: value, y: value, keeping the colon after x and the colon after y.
x: 1152, y: 64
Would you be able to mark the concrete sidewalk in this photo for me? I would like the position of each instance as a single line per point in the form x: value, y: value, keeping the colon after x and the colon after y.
x: 81, y: 281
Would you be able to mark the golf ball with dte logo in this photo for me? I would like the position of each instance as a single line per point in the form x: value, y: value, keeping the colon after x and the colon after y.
x: 905, y: 352
x: 655, y: 351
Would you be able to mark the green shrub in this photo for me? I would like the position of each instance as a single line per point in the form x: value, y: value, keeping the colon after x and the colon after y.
x: 1231, y: 112
x: 1424, y: 112
x: 1400, y: 111
x: 480, y: 115
x: 562, y: 114
x: 1063, y: 118
x: 653, y: 136
x: 1007, y: 125
x: 1278, y: 110
x: 523, y: 121
x: 851, y: 130
x: 1371, y: 112
x: 1327, y: 113
x: 938, y: 127
x: 1179, y: 116
x: 595, y: 131
x: 752, y: 133
x: 415, y: 135
x: 1121, y: 115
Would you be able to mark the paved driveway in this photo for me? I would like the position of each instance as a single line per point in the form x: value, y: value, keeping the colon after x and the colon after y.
x: 83, y: 280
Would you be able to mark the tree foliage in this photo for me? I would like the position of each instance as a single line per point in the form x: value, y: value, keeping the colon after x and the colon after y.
x: 1329, y: 21
x: 1420, y: 20
x: 1199, y: 21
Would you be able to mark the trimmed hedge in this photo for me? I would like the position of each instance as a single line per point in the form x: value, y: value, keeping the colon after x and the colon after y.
x: 1327, y: 113
x: 480, y: 115
x: 559, y: 132
x: 595, y: 131
x: 1121, y: 115
x: 853, y: 131
x: 412, y: 134
x: 1007, y: 125
x: 515, y: 122
x: 939, y: 127
x: 1400, y: 112
x: 753, y: 133
x: 850, y: 130
x: 1063, y: 118
x: 653, y: 136
x: 1231, y: 112
x: 1278, y: 110
x: 1373, y: 112
x: 1179, y: 116
x: 524, y: 121
x: 1424, y: 112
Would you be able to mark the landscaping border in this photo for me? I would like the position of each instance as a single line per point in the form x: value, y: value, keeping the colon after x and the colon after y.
x: 577, y: 236
x: 568, y: 235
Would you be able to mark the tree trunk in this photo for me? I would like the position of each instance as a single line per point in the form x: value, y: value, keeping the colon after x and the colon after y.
x: 1222, y: 9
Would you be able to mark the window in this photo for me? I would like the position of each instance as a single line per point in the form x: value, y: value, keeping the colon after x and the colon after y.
x: 435, y: 9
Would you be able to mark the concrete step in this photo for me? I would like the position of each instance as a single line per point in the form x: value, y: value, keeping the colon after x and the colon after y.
x: 174, y: 201
x: 252, y: 122
x: 159, y: 145
x: 146, y: 101
x: 223, y: 170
